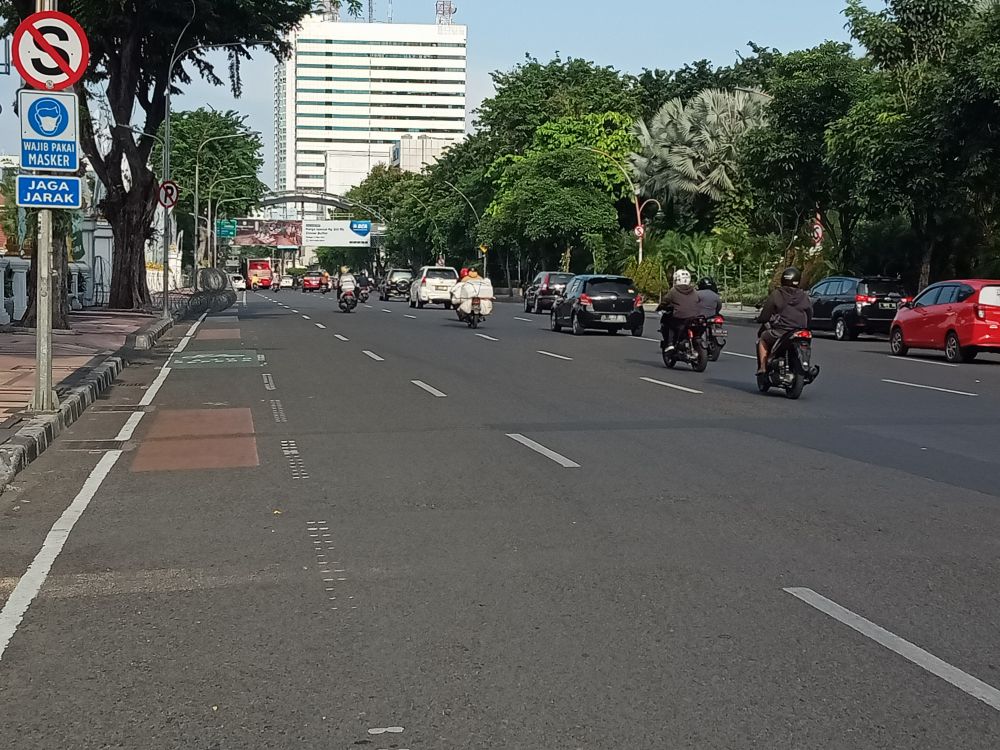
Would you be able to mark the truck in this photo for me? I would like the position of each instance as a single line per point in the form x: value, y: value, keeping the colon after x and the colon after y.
x: 259, y: 273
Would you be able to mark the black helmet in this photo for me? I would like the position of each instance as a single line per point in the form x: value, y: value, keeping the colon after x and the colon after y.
x: 791, y: 277
x: 707, y: 283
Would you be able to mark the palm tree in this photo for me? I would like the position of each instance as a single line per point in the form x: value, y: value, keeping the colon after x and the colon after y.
x: 693, y: 149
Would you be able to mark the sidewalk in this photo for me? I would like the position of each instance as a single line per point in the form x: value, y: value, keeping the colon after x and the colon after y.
x: 84, y: 364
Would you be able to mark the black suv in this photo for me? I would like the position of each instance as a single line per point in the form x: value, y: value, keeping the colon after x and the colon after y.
x: 608, y: 303
x: 396, y: 283
x: 850, y: 306
x: 543, y: 290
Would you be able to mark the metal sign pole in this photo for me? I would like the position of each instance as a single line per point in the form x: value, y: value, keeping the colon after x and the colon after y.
x: 166, y: 211
x: 44, y: 397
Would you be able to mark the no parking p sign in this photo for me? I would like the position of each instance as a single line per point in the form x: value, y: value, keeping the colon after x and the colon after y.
x: 51, y: 50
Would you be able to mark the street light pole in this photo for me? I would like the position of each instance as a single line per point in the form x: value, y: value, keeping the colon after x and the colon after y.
x: 479, y: 221
x: 197, y: 179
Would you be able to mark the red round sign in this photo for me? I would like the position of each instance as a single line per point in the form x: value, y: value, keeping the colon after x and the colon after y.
x: 639, y: 231
x: 168, y: 194
x: 50, y: 50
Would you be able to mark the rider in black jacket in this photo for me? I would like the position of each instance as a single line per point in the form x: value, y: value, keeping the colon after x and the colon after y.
x: 787, y: 308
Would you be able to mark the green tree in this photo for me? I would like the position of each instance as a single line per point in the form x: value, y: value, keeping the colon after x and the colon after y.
x: 131, y: 43
x: 236, y: 150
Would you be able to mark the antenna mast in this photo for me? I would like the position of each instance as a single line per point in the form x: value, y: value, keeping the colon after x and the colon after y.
x: 446, y: 11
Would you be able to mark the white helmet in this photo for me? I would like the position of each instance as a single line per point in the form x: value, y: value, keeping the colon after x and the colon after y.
x: 682, y: 277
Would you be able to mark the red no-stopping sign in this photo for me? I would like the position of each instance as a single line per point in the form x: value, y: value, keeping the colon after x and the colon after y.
x: 168, y: 194
x: 50, y: 50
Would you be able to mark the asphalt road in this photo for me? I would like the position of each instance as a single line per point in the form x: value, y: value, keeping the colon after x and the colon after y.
x: 386, y: 530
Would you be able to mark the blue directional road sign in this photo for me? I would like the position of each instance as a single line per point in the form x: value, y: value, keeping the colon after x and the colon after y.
x: 49, y: 131
x: 52, y: 191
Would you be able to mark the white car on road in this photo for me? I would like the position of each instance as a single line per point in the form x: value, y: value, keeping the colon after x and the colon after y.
x: 239, y: 283
x: 432, y: 286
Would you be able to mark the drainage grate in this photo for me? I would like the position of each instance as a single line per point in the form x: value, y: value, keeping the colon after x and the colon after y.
x: 92, y: 445
x: 123, y: 384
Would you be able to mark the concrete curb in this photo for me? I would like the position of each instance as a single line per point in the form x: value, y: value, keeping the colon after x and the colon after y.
x: 39, y: 432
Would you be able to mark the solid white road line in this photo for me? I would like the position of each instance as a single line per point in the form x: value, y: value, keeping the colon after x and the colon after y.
x: 539, y: 448
x: 555, y: 356
x: 671, y: 385
x: 411, y: 317
x: 737, y: 354
x: 962, y: 680
x: 524, y: 320
x: 128, y: 429
x: 31, y: 582
x: 488, y: 338
x: 430, y: 389
x: 372, y: 355
x: 923, y: 361
x: 320, y: 325
x: 340, y: 338
x: 930, y: 388
x: 645, y: 338
x: 306, y: 317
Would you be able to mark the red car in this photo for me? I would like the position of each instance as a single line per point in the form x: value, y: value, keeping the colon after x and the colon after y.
x: 960, y: 318
x: 313, y: 282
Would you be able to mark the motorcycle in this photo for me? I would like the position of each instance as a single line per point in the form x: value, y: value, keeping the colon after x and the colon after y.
x: 348, y: 301
x: 691, y: 346
x: 716, y: 336
x: 789, y: 365
x: 474, y: 318
x: 364, y: 295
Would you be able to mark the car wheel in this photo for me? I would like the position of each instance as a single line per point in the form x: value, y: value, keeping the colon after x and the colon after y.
x: 411, y: 302
x: 952, y: 348
x: 538, y: 307
x: 637, y: 332
x: 527, y: 305
x: 896, y: 343
x: 420, y: 304
x: 613, y: 331
x: 578, y: 328
x: 841, y: 331
x: 554, y: 322
x: 447, y: 305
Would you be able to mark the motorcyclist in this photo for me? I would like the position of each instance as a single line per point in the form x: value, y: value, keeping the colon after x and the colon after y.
x: 681, y: 303
x: 346, y: 281
x: 708, y: 297
x: 473, y: 286
x: 787, y: 308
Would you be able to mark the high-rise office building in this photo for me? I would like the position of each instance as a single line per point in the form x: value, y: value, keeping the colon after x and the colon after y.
x: 350, y: 92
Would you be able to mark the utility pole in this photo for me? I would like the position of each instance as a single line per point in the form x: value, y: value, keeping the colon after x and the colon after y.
x: 44, y: 398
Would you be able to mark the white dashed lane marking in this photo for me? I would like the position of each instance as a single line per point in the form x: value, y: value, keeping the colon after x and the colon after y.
x: 306, y: 317
x: 555, y: 356
x: 372, y: 355
x: 340, y: 338
x: 671, y: 385
x: 430, y: 389
x: 488, y: 338
x: 320, y: 325
x: 541, y: 449
x: 931, y: 388
x: 923, y: 659
x: 744, y: 356
x: 920, y: 361
x: 411, y: 317
x: 523, y: 320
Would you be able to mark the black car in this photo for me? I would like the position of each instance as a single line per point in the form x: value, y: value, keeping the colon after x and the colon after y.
x: 607, y: 303
x: 850, y: 306
x: 395, y: 284
x: 543, y: 290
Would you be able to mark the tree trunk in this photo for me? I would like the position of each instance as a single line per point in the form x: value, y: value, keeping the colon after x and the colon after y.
x: 60, y: 290
x: 924, y: 226
x: 131, y: 217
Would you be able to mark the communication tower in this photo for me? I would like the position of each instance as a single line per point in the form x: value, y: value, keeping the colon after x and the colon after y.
x: 446, y: 11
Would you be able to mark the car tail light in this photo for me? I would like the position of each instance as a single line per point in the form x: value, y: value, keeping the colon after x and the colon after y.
x: 980, y: 312
x: 423, y: 282
x: 585, y: 300
x: 545, y: 283
x: 638, y: 301
x: 718, y: 320
x: 865, y: 299
x: 804, y: 335
x: 905, y: 300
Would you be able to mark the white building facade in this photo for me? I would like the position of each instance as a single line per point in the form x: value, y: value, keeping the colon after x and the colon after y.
x: 350, y: 92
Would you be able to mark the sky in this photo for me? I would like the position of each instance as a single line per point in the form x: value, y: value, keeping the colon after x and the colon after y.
x: 653, y: 34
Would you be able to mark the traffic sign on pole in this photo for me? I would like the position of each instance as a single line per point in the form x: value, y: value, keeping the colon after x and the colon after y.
x: 50, y: 50
x: 49, y: 191
x: 49, y: 131
x: 639, y: 231
x: 225, y: 229
x: 168, y: 194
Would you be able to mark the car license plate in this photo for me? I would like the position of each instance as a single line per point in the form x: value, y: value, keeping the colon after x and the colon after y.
x: 614, y: 318
x: 888, y: 305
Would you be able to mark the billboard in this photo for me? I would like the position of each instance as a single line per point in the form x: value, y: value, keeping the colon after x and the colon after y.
x: 268, y: 233
x: 337, y: 233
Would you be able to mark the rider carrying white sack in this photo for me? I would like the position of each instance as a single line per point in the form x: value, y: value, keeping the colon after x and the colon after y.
x: 472, y: 287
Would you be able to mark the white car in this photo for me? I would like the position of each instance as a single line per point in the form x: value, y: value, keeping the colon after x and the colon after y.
x: 239, y: 283
x: 432, y: 286
x: 286, y: 282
